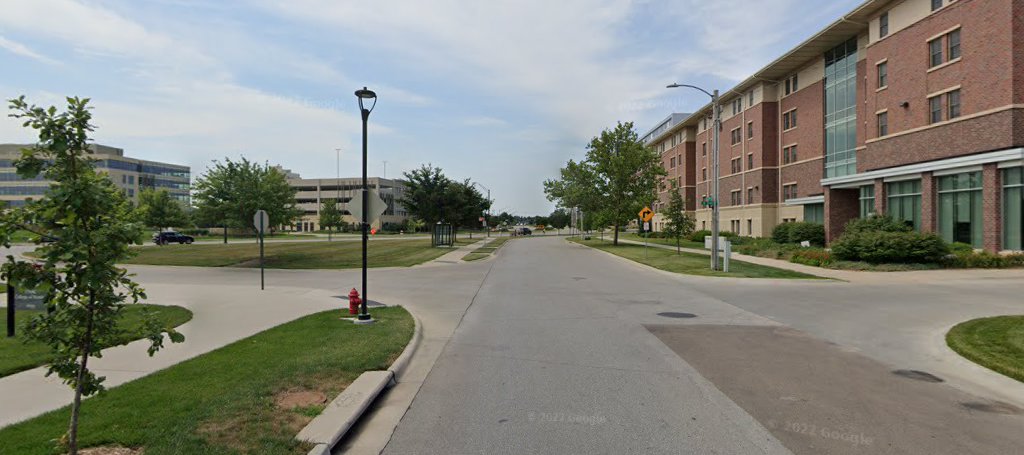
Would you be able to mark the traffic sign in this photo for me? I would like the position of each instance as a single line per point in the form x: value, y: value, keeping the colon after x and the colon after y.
x: 261, y: 221
x: 377, y: 206
x: 646, y: 214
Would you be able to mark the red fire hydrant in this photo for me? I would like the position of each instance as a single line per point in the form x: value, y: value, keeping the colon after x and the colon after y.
x: 354, y: 301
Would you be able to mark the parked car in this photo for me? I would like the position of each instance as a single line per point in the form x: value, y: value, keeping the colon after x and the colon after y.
x: 523, y: 231
x: 164, y: 238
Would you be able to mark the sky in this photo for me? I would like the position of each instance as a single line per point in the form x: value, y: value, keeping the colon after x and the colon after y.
x: 500, y: 92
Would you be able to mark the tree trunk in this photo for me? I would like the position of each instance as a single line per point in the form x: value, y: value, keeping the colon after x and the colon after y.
x: 225, y: 233
x: 76, y: 405
x: 616, y: 241
x: 677, y: 245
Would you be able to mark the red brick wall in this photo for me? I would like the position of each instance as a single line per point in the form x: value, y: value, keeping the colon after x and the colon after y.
x: 1018, y: 51
x: 992, y: 219
x: 808, y: 136
x: 690, y: 175
x: 985, y: 75
x: 881, y: 198
x: 841, y: 206
x: 929, y: 197
x: 766, y: 133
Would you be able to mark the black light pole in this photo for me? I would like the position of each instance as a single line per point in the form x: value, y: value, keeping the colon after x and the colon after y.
x: 365, y: 94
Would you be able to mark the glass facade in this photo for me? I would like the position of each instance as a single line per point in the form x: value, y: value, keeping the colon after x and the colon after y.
x: 841, y: 110
x: 904, y: 201
x: 1013, y: 208
x: 814, y: 213
x: 867, y: 201
x: 960, y: 209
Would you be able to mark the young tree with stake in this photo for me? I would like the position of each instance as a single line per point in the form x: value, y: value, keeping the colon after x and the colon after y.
x: 679, y: 223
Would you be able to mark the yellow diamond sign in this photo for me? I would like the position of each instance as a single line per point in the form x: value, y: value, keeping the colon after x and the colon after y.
x: 646, y: 214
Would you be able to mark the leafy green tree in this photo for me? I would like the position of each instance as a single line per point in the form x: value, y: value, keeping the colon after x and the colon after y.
x: 231, y: 192
x: 680, y: 224
x: 157, y: 209
x: 619, y: 177
x: 330, y: 216
x: 415, y: 224
x: 92, y: 228
x: 559, y: 219
x: 432, y: 197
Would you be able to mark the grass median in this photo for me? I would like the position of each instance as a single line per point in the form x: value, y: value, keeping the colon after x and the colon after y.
x: 252, y: 396
x: 18, y: 355
x: 995, y: 343
x: 486, y: 250
x: 689, y: 263
x: 292, y: 255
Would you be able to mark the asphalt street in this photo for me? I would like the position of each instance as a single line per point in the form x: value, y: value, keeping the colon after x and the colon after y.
x: 565, y: 349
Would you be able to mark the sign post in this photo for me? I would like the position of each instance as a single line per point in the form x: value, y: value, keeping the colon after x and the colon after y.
x: 260, y: 221
x: 646, y: 215
x: 10, y: 310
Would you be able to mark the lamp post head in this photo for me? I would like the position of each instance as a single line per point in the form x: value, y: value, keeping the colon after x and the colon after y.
x: 673, y: 85
x: 366, y: 94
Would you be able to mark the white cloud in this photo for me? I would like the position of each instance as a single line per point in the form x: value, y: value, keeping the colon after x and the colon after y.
x: 22, y: 50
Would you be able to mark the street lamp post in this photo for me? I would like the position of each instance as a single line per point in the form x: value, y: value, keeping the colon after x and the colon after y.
x: 365, y: 94
x: 486, y: 215
x: 716, y: 127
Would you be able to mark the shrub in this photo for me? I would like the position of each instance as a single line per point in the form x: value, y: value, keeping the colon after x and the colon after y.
x: 781, y: 232
x: 816, y: 257
x: 698, y: 236
x: 810, y: 232
x: 961, y: 248
x: 901, y: 247
x: 983, y: 260
x: 196, y: 232
x: 877, y: 223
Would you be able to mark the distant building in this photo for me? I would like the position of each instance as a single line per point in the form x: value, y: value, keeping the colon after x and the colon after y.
x: 312, y: 192
x: 130, y: 174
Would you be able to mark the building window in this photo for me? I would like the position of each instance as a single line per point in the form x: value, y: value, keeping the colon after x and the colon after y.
x: 935, y: 51
x: 789, y: 154
x: 936, y: 4
x: 672, y: 163
x: 867, y: 201
x: 961, y: 209
x: 935, y: 109
x: 953, y: 104
x: 904, y: 201
x: 950, y: 43
x: 789, y: 192
x: 734, y: 197
x: 704, y: 174
x: 1013, y: 208
x: 883, y: 25
x: 750, y: 195
x: 750, y: 161
x: 704, y: 149
x: 814, y: 213
x: 737, y: 106
x: 883, y: 124
x: 791, y: 84
x: 736, y: 165
x: 954, y: 44
x: 883, y: 75
x: 750, y: 227
x: 789, y: 120
x: 737, y: 136
x: 841, y: 110
x: 750, y: 130
x: 750, y: 99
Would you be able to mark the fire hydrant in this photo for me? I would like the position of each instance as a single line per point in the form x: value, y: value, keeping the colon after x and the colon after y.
x: 354, y: 301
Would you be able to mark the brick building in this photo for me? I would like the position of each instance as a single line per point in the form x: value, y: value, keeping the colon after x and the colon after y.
x: 913, y: 108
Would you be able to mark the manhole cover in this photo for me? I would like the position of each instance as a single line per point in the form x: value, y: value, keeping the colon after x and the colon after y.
x: 995, y: 407
x: 672, y: 314
x: 918, y: 375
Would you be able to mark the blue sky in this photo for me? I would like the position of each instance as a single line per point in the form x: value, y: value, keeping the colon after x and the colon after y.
x: 502, y: 92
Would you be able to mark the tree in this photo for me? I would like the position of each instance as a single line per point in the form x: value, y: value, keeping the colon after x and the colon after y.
x: 157, y: 209
x: 92, y: 228
x: 432, y: 197
x: 559, y: 219
x: 330, y: 216
x: 679, y: 223
x: 619, y: 177
x: 231, y: 192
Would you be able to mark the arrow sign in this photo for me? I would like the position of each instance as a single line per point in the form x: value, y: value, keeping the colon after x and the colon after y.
x: 377, y: 206
x: 646, y: 214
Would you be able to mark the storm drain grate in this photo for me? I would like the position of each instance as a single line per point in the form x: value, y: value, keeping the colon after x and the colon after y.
x: 918, y: 375
x: 672, y: 314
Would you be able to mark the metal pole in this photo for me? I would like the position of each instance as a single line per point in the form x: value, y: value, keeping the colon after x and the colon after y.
x: 262, y: 281
x: 715, y: 170
x: 10, y: 310
x: 364, y: 315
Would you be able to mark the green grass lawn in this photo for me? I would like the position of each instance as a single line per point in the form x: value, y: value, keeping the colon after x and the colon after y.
x: 17, y: 355
x: 689, y: 263
x: 486, y: 250
x: 213, y: 237
x: 671, y: 242
x: 298, y: 255
x: 994, y: 343
x: 231, y: 400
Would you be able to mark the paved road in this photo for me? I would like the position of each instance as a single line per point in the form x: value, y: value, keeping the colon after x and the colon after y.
x: 563, y: 350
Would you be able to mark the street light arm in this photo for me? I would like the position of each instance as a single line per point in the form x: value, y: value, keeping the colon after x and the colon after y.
x: 691, y: 86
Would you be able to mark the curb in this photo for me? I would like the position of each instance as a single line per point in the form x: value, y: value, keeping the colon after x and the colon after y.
x: 342, y: 413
